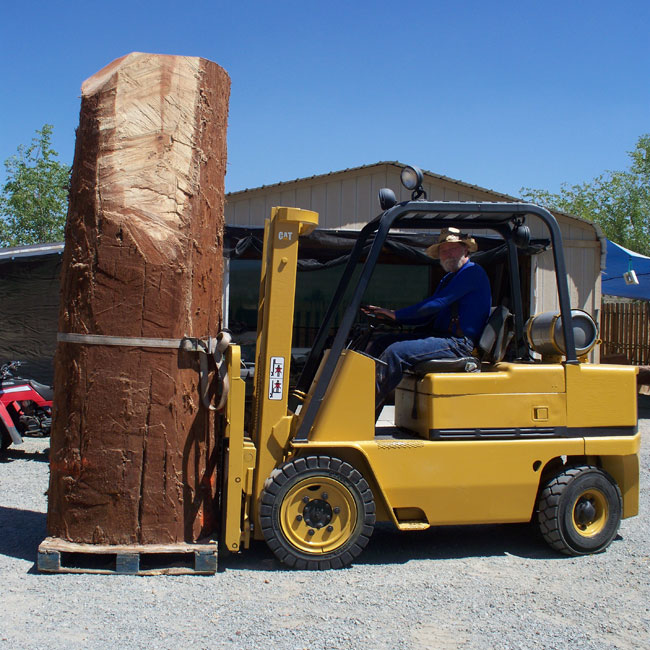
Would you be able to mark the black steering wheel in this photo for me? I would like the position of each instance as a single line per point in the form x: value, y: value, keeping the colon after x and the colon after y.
x: 368, y: 325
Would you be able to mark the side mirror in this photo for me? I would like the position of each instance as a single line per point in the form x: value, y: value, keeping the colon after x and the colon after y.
x: 387, y: 198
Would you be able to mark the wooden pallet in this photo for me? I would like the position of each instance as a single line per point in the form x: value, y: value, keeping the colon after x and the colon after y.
x: 60, y: 556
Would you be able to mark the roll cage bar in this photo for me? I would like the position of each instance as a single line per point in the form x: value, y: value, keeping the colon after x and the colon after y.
x: 500, y: 217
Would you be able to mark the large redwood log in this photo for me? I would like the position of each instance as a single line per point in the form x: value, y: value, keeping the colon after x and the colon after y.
x: 133, y: 450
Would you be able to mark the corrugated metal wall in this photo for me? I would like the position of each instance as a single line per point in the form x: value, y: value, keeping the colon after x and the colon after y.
x: 345, y: 199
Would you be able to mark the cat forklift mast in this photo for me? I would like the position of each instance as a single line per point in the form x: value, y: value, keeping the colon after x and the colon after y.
x: 546, y: 436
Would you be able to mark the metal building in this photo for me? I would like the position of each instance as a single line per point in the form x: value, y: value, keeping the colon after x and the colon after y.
x: 347, y: 199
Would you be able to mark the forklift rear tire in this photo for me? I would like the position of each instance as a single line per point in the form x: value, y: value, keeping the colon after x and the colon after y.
x: 579, y: 511
x: 317, y: 512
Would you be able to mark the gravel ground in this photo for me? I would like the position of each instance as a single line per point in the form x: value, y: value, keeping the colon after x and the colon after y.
x: 480, y: 587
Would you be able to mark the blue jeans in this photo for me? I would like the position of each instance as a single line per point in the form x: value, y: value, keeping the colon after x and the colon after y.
x: 401, y: 353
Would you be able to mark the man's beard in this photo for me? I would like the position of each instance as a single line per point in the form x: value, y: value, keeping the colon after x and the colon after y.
x: 452, y: 264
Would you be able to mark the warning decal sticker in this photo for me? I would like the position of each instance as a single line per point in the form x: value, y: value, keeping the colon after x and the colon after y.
x: 276, y: 377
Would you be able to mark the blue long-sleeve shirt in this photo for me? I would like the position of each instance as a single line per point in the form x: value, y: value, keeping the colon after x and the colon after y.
x: 470, y: 288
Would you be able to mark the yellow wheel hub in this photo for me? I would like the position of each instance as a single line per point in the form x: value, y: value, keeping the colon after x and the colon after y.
x: 590, y: 513
x: 318, y: 515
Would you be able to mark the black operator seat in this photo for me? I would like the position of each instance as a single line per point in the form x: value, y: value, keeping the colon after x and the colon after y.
x: 491, y: 347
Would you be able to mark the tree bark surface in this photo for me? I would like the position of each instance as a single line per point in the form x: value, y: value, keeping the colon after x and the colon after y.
x: 133, y: 457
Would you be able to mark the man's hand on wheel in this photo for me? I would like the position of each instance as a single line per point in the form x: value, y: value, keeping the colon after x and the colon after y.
x: 378, y: 312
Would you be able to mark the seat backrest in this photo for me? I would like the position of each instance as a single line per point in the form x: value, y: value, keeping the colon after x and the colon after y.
x: 492, y: 347
x: 497, y: 335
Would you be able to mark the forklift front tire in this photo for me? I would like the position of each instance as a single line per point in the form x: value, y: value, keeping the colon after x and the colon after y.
x: 579, y: 511
x: 317, y: 512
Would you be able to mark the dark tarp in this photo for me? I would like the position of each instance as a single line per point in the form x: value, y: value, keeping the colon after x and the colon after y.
x: 29, y: 311
x: 326, y: 248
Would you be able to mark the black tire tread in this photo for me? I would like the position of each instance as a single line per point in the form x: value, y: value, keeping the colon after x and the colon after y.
x: 289, y: 470
x: 548, y: 515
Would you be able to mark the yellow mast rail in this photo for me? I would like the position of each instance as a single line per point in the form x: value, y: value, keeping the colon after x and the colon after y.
x: 269, y: 421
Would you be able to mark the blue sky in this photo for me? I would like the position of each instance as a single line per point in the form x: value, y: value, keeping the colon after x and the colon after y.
x: 499, y: 94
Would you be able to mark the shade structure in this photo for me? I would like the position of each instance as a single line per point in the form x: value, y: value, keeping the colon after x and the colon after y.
x: 620, y: 260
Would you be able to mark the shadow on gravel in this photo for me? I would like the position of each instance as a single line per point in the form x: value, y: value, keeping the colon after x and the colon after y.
x: 15, y: 453
x: 22, y: 532
x: 390, y: 546
x: 257, y: 558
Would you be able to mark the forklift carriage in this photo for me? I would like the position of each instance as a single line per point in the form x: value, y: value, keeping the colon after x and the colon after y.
x: 552, y: 438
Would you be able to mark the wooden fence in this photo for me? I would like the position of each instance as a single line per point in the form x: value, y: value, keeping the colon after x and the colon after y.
x: 624, y: 330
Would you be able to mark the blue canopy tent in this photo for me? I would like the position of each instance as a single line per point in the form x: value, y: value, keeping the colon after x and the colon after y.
x: 619, y: 261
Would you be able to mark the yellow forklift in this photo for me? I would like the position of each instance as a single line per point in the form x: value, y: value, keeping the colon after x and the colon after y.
x: 545, y: 436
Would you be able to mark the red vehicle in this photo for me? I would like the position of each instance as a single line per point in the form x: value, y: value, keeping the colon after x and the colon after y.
x: 25, y: 407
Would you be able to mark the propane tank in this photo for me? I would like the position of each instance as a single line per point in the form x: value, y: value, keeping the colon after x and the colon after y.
x: 544, y: 333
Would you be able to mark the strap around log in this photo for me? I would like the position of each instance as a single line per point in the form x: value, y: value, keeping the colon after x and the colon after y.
x: 186, y: 343
x: 212, y: 346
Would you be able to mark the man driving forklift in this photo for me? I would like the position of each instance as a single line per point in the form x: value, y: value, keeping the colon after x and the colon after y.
x: 448, y: 323
x: 553, y: 440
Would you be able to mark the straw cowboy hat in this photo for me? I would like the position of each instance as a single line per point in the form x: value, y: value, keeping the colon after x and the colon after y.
x: 449, y: 236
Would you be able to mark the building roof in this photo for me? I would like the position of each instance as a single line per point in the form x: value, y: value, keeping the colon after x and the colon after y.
x: 394, y: 163
x: 33, y: 250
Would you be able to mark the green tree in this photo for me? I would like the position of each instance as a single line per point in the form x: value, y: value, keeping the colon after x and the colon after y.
x: 618, y: 201
x: 34, y: 199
